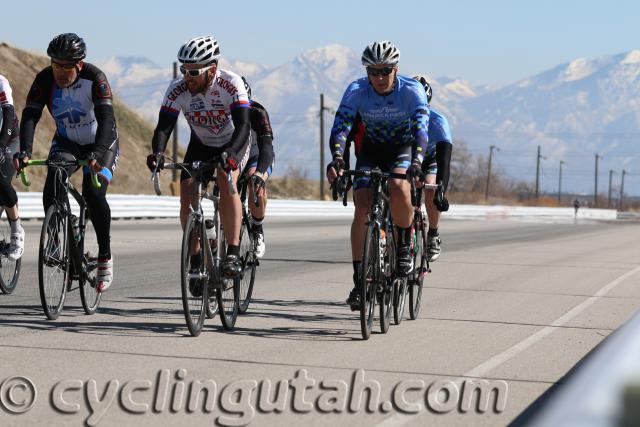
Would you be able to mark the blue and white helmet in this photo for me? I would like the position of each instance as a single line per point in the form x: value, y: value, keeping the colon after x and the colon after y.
x: 202, y: 50
x: 378, y: 53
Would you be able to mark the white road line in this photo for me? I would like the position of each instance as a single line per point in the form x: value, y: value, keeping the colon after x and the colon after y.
x: 400, y: 419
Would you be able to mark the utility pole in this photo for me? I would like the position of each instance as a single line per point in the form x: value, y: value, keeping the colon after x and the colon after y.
x: 621, y: 190
x: 610, y: 178
x: 562, y: 162
x: 595, y: 192
x: 486, y: 190
x: 322, y: 165
x: 174, y: 172
x: 540, y: 156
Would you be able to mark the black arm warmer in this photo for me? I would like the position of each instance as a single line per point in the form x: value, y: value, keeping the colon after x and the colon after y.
x: 8, y: 115
x: 240, y: 138
x: 30, y: 118
x: 106, y: 132
x: 265, y: 156
x: 443, y: 158
x: 166, y: 123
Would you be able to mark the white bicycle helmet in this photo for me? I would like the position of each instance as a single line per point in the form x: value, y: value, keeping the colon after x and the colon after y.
x: 202, y: 50
x: 378, y: 53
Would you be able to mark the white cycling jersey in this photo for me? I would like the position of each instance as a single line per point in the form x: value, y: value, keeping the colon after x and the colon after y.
x: 6, y: 97
x: 208, y: 113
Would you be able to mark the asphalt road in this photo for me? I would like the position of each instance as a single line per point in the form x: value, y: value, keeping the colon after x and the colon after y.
x: 514, y: 303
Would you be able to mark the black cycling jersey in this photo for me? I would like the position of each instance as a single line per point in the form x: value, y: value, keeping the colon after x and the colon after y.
x: 261, y: 126
x: 83, y: 112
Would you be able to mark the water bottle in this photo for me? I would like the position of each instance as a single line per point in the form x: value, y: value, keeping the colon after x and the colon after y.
x: 75, y: 228
x: 211, y: 234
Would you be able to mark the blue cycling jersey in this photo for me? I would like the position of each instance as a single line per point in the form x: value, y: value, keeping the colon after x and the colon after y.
x: 439, y: 130
x: 401, y: 117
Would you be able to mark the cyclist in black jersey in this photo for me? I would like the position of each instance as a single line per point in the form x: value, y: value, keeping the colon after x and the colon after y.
x: 79, y: 99
x: 259, y: 167
x: 9, y: 144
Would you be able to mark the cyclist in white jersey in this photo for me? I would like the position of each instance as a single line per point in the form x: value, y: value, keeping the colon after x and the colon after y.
x: 215, y: 103
x: 9, y: 144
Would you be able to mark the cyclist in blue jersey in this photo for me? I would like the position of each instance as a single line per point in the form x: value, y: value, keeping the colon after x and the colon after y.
x: 395, y: 114
x: 436, y: 169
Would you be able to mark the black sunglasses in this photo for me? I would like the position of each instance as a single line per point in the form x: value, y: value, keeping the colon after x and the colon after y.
x: 380, y: 71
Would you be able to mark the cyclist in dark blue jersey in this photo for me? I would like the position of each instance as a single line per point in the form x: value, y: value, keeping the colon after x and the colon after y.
x: 436, y: 167
x: 395, y: 115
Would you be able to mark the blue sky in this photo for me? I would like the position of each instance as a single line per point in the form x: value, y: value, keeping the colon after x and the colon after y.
x: 486, y: 42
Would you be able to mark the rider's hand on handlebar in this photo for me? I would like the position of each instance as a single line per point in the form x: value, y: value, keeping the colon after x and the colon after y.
x: 94, y: 163
x: 258, y: 183
x: 335, y: 168
x: 415, y: 173
x: 155, y: 161
x: 20, y: 160
x: 231, y: 163
x: 440, y: 201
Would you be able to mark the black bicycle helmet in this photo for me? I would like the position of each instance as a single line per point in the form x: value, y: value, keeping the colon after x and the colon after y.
x: 67, y: 47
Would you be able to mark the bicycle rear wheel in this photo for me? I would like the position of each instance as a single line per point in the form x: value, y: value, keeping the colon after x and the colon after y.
x: 248, y: 275
x: 370, y: 274
x: 89, y: 296
x: 385, y: 296
x: 421, y: 268
x: 53, y: 262
x: 228, y: 297
x: 193, y: 274
x: 399, y: 299
x: 9, y: 270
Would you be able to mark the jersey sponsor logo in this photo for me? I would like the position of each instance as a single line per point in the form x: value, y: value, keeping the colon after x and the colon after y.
x: 216, y: 93
x: 103, y: 90
x: 227, y: 86
x: 196, y: 104
x: 214, y: 121
x: 177, y: 91
x: 69, y: 109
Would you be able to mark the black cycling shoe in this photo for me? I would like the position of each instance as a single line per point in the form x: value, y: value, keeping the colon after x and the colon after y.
x: 355, y: 298
x: 404, y: 266
x: 232, y: 266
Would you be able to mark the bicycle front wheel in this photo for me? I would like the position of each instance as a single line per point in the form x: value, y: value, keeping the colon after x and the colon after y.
x: 9, y: 270
x: 193, y: 274
x: 248, y: 275
x: 89, y: 296
x: 369, y: 275
x: 53, y: 262
x: 421, y: 268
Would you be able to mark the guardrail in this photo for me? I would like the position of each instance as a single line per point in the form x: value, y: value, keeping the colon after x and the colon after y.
x: 146, y: 206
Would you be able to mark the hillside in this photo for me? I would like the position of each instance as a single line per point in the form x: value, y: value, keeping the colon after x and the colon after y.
x: 131, y: 177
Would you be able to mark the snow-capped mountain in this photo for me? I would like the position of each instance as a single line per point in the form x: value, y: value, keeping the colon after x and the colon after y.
x: 573, y: 110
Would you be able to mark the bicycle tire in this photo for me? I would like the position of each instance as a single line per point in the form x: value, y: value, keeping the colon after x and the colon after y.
x: 89, y: 297
x: 248, y: 275
x: 228, y: 296
x: 386, y: 292
x: 421, y: 268
x: 9, y: 270
x: 212, y: 306
x: 399, y: 299
x: 369, y: 276
x: 54, y: 266
x: 194, y: 305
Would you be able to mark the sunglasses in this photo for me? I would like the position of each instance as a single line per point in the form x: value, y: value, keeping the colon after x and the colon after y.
x: 380, y: 71
x: 65, y: 67
x: 193, y: 73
